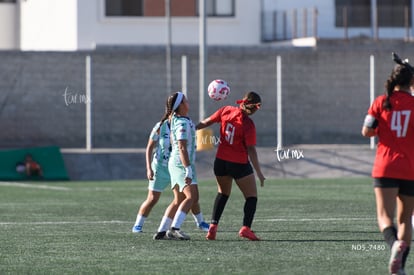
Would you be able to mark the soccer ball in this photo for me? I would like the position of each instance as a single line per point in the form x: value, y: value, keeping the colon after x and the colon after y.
x: 218, y: 89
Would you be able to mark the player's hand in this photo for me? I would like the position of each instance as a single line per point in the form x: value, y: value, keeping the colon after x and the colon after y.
x: 261, y: 179
x: 188, y: 181
x: 188, y: 175
x: 150, y: 174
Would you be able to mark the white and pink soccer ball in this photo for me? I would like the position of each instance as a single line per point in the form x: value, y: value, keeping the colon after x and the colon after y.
x: 218, y: 89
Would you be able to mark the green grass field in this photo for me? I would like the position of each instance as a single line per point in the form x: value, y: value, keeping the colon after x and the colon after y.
x: 307, y: 227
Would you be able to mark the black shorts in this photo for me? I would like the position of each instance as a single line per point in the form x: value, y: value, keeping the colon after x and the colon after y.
x: 235, y: 170
x: 405, y: 187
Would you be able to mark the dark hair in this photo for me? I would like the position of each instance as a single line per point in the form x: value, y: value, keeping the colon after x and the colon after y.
x: 401, y: 75
x: 251, y: 102
x: 168, y: 106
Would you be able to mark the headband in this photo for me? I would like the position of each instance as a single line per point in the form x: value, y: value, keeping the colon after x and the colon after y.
x: 246, y: 102
x: 242, y: 101
x: 178, y: 100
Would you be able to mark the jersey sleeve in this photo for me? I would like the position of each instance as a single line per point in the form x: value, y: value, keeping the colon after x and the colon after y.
x: 376, y: 107
x: 155, y: 132
x: 216, y: 117
x: 181, y: 129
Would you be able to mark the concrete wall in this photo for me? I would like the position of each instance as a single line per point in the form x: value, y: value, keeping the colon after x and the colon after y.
x: 9, y: 27
x: 317, y: 161
x: 325, y: 92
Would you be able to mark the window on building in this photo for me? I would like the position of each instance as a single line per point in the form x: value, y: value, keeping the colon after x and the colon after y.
x: 394, y: 13
x: 157, y: 7
x: 219, y: 7
x: 177, y: 8
x: 352, y: 13
x: 124, y: 7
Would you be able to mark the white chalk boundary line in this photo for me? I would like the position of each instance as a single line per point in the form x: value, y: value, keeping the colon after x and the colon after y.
x: 33, y: 185
x: 131, y: 222
x: 63, y: 223
x: 315, y: 220
x: 103, y: 150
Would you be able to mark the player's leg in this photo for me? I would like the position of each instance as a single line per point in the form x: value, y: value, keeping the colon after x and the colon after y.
x: 145, y: 209
x: 196, y: 211
x: 169, y: 215
x: 385, y: 198
x: 247, y: 186
x: 224, y: 184
x: 156, y: 186
x: 405, y: 207
x: 185, y: 206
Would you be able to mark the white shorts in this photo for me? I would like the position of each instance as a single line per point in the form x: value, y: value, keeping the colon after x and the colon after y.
x: 177, y: 174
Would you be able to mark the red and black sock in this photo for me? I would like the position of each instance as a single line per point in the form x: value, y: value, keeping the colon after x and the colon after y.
x: 249, y: 211
x: 218, y: 207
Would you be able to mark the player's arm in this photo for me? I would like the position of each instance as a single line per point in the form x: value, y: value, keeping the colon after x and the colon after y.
x: 368, y: 132
x: 369, y: 126
x: 185, y: 160
x: 251, y: 151
x: 203, y: 124
x: 148, y: 157
x: 214, y: 118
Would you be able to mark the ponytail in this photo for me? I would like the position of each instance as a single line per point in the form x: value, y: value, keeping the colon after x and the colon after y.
x: 389, y: 89
x: 168, y: 109
x: 401, y: 75
x: 169, y: 105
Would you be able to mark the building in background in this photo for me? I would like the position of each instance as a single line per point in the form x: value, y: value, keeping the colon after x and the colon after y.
x: 70, y: 25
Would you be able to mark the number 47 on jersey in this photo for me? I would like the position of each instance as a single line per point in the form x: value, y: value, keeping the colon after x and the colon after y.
x: 400, y: 121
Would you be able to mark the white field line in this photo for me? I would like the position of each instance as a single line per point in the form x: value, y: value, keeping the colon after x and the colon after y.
x: 131, y: 222
x: 315, y: 220
x: 33, y: 185
x: 63, y: 222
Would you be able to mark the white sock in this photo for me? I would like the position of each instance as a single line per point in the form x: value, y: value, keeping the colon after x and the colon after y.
x: 140, y: 220
x: 165, y: 224
x: 198, y: 218
x: 178, y: 219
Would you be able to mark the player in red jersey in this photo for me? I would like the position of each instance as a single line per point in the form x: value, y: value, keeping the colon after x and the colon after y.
x: 391, y: 119
x: 237, y: 146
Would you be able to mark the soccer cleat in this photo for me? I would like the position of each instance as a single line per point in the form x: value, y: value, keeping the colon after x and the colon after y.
x: 400, y: 272
x: 137, y: 229
x: 397, y: 251
x: 203, y: 226
x: 211, y: 235
x: 160, y: 236
x: 177, y: 235
x: 245, y: 232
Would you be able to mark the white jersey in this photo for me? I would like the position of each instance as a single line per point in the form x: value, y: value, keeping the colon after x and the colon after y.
x: 161, y: 134
x: 182, y: 128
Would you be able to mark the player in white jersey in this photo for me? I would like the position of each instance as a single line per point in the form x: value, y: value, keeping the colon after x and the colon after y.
x: 181, y: 164
x: 183, y: 130
x: 159, y: 178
